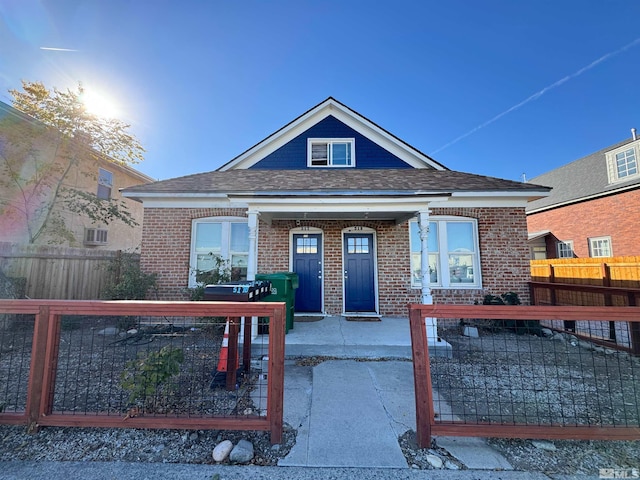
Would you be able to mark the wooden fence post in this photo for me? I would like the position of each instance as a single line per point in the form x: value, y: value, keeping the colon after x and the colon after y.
x: 37, y: 368
x: 275, y: 379
x: 421, y: 378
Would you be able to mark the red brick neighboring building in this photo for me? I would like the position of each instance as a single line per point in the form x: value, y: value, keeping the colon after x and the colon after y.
x: 352, y: 209
x: 593, y: 208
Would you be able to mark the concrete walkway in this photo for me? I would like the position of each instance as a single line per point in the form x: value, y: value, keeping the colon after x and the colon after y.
x: 350, y: 413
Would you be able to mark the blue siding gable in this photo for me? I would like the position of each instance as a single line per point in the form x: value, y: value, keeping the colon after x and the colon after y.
x: 293, y: 155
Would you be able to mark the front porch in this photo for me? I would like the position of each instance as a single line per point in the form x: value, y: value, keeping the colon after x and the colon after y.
x: 335, y: 336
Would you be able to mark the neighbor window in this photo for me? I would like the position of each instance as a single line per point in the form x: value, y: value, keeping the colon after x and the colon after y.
x: 220, y: 242
x: 565, y: 249
x: 95, y: 236
x: 105, y: 183
x: 323, y: 152
x: 622, y: 163
x: 454, y: 258
x: 600, y: 247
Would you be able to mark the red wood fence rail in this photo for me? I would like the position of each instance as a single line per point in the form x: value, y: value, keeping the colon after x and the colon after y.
x: 44, y: 357
x: 429, y: 424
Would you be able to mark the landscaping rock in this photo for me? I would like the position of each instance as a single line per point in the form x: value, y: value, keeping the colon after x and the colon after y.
x: 544, y: 445
x: 222, y: 450
x: 435, y: 461
x: 242, y: 452
x: 109, y: 331
x: 470, y: 332
x: 547, y: 332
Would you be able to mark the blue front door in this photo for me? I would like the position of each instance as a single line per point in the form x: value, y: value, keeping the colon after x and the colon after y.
x: 307, y: 263
x: 359, y: 273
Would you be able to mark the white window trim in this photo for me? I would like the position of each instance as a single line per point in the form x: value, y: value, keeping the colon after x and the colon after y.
x: 225, y: 248
x: 108, y: 185
x: 97, y: 233
x: 596, y: 239
x: 568, y: 243
x: 612, y: 168
x: 444, y: 281
x: 311, y: 141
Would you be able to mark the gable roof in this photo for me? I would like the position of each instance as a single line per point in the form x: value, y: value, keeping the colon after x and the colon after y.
x: 580, y: 180
x: 346, y: 115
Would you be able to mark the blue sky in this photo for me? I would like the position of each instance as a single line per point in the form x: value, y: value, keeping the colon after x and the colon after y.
x: 496, y: 87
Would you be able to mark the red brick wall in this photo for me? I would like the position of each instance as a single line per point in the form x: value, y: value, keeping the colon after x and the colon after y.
x: 166, y: 241
x: 614, y: 216
x: 502, y: 231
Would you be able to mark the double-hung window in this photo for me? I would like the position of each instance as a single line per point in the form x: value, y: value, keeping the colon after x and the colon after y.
x: 454, y: 254
x: 331, y: 152
x: 565, y: 249
x: 105, y: 184
x: 219, y: 242
x: 600, y: 247
x: 622, y: 163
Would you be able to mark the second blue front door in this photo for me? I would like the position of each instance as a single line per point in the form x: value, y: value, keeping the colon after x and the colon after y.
x: 307, y: 263
x: 359, y: 273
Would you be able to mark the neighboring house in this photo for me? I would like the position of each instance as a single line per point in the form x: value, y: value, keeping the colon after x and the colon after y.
x: 31, y: 164
x: 339, y: 200
x: 593, y: 208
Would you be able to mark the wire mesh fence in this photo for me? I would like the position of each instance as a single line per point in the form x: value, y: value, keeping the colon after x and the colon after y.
x: 16, y: 337
x: 127, y: 366
x: 142, y: 364
x: 510, y: 372
x: 502, y: 377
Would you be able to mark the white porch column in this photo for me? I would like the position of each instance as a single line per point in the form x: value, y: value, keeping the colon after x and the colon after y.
x: 427, y: 299
x: 252, y: 261
x: 252, y: 265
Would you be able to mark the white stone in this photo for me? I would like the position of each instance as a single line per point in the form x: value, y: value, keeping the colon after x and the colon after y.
x: 242, y: 452
x: 470, y: 332
x: 222, y: 450
x: 435, y: 461
x: 109, y: 331
x: 547, y: 332
x: 450, y: 465
x: 544, y: 445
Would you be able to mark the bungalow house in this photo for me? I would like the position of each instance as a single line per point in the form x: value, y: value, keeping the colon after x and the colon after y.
x: 368, y: 222
x: 591, y: 211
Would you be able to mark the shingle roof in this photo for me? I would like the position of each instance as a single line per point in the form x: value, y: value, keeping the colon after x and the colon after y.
x: 328, y: 181
x: 579, y: 179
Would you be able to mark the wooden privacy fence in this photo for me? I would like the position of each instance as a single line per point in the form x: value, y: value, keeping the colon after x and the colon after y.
x: 590, y: 282
x: 504, y: 384
x: 58, y: 272
x: 619, y: 272
x: 140, y: 364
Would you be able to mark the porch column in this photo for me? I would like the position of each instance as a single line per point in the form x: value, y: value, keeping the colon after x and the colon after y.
x: 252, y: 261
x: 252, y: 265
x: 423, y: 216
x: 427, y: 299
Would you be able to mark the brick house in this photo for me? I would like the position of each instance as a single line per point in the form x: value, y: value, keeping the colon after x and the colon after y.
x: 593, y: 208
x: 349, y: 207
x: 31, y: 150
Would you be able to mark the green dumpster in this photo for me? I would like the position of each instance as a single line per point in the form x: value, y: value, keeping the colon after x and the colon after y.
x: 283, y: 289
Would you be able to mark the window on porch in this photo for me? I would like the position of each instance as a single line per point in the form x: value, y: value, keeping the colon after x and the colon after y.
x: 454, y: 259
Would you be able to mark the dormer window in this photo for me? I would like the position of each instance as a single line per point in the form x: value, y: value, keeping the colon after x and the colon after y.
x: 622, y: 163
x: 331, y: 152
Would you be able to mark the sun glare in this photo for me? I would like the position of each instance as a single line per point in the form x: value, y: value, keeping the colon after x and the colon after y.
x: 99, y: 104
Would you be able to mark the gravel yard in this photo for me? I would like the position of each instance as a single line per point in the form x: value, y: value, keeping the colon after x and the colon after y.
x: 498, y: 377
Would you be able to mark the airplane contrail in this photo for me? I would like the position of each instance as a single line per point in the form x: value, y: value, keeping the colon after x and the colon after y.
x: 55, y: 49
x: 537, y: 95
